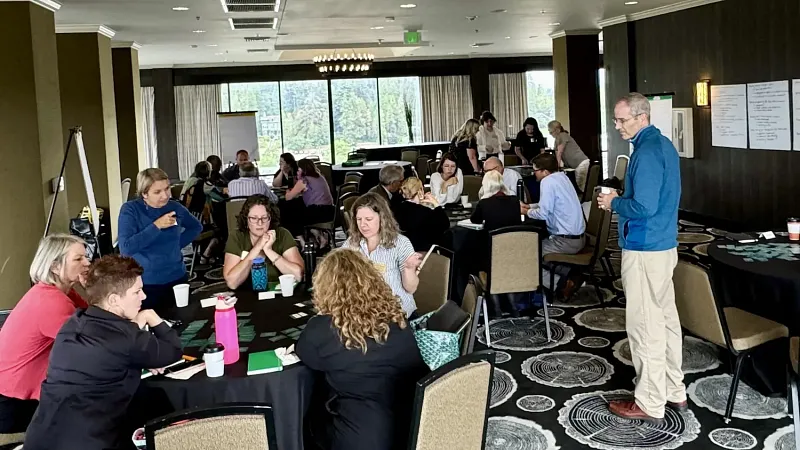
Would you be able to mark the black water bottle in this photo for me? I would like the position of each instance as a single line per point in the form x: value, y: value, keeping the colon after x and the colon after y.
x: 521, y: 190
x: 310, y: 260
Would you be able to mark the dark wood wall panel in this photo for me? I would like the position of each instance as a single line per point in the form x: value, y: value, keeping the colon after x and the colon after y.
x: 730, y: 42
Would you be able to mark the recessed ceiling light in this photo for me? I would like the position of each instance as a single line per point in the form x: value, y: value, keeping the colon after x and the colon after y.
x: 499, y: 11
x: 554, y: 24
x: 389, y: 19
x: 631, y: 3
x: 198, y: 31
x: 375, y: 28
x: 219, y: 54
x: 408, y: 5
x: 283, y: 34
x: 542, y: 12
x: 508, y: 37
x: 180, y: 8
x: 211, y: 45
x: 451, y: 53
x: 533, y: 37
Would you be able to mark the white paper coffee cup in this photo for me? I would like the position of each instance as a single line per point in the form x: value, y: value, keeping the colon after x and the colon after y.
x: 287, y: 285
x: 464, y: 200
x: 605, y: 190
x: 181, y: 295
x: 215, y: 364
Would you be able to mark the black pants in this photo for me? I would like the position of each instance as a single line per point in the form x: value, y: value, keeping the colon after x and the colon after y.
x: 160, y: 296
x: 16, y: 414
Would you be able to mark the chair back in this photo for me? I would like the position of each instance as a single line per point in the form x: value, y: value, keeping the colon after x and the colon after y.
x: 236, y: 425
x: 175, y: 190
x: 409, y: 155
x: 697, y: 308
x: 621, y: 167
x: 353, y: 176
x: 472, y: 186
x: 794, y: 354
x: 433, y: 289
x: 451, y: 405
x: 232, y: 209
x: 343, y: 206
x: 471, y: 303
x: 594, y: 222
x: 601, y: 230
x: 350, y: 186
x: 422, y: 167
x: 515, y: 260
x: 11, y: 438
x: 433, y: 166
x: 126, y: 189
x: 510, y: 159
x: 592, y: 180
x: 326, y: 170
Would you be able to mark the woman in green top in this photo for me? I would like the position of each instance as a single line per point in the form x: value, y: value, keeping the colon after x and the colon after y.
x: 258, y: 234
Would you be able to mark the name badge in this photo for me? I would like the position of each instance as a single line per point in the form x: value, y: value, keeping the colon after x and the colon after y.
x: 380, y: 267
x: 533, y: 140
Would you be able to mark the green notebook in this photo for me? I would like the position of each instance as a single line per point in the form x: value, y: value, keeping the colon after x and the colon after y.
x: 263, y: 362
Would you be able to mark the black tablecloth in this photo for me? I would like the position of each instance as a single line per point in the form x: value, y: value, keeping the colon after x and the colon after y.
x: 755, y: 278
x: 288, y: 391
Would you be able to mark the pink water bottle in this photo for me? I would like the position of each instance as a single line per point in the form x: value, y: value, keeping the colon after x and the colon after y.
x: 226, y: 327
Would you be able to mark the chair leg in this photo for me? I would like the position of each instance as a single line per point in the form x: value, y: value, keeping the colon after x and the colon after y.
x: 553, y: 289
x: 610, y: 267
x: 737, y: 371
x: 546, y: 317
x: 597, y: 290
x: 486, y: 323
x: 194, y: 255
x: 795, y: 410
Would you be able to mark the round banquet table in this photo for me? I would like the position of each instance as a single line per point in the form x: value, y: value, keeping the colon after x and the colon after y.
x: 762, y: 278
x: 288, y: 391
x: 370, y: 171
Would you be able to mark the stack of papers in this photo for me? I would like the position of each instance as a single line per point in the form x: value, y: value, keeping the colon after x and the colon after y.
x: 466, y: 223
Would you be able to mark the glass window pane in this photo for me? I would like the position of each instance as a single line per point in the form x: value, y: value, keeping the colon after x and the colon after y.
x: 541, y: 99
x: 601, y: 80
x: 261, y: 97
x: 401, y: 110
x: 306, y: 123
x: 355, y: 115
x: 224, y: 101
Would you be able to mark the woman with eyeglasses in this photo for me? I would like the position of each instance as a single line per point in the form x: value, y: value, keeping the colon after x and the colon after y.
x: 259, y: 234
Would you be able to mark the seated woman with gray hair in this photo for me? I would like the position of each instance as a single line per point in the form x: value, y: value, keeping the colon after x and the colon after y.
x: 497, y: 207
x: 29, y: 331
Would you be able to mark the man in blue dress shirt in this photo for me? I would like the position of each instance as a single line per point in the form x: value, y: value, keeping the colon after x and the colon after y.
x: 559, y: 207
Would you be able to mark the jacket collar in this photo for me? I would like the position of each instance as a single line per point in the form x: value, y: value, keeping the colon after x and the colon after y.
x: 100, y: 313
x: 642, y: 133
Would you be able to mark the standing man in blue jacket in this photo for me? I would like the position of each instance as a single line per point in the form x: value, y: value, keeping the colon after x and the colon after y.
x: 648, y: 236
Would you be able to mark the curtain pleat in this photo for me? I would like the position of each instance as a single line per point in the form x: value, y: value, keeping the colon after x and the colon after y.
x: 196, y: 110
x: 446, y: 105
x: 509, y: 100
x: 149, y: 126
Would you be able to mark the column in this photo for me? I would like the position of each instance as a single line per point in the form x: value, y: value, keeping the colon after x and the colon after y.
x: 33, y: 144
x: 87, y: 100
x: 618, y: 54
x: 479, y: 82
x: 128, y: 101
x: 576, y: 59
x: 166, y: 126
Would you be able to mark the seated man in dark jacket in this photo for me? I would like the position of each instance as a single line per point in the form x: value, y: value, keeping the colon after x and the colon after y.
x: 391, y: 178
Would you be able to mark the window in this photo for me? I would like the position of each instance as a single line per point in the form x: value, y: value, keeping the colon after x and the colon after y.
x: 355, y: 115
x: 401, y: 110
x: 541, y: 99
x: 306, y: 119
x: 601, y: 81
x: 261, y: 97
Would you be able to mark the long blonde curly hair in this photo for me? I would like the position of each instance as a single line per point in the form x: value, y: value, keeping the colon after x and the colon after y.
x: 348, y: 288
x: 389, y: 228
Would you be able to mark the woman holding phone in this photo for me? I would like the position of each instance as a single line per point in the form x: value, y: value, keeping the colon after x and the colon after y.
x: 153, y: 230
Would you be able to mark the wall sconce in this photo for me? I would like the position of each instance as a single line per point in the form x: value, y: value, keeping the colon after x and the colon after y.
x: 701, y: 93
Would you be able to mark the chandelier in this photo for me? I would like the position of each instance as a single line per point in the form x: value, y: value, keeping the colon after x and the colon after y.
x: 343, y: 63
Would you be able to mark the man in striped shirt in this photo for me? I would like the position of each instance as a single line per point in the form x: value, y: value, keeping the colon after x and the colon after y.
x: 249, y: 184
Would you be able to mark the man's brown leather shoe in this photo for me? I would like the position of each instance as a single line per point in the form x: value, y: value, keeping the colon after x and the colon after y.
x: 628, y: 409
x: 680, y: 407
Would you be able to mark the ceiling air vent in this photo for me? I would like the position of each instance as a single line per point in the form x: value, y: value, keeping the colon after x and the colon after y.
x: 257, y: 50
x: 241, y: 23
x: 257, y: 39
x: 247, y: 6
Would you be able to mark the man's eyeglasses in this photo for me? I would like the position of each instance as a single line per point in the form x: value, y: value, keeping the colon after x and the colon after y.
x: 616, y: 121
x: 258, y: 220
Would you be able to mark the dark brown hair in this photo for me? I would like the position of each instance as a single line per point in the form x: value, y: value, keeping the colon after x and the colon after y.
x: 254, y: 200
x: 487, y: 115
x: 308, y: 167
x: 449, y: 156
x: 545, y: 161
x: 111, y: 274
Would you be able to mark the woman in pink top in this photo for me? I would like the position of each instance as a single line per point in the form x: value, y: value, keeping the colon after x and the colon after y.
x: 28, y: 334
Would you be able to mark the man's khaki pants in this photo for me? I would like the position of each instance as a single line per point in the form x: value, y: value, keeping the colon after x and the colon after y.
x: 654, y: 329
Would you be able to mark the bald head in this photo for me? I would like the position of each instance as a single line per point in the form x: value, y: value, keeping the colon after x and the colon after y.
x: 493, y: 163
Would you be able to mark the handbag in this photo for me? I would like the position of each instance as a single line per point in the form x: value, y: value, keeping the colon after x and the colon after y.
x: 436, y: 347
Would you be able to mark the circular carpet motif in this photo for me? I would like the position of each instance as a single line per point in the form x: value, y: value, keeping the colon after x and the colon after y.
x: 586, y: 419
x: 782, y: 439
x: 526, y: 334
x: 732, y: 439
x: 594, y: 342
x: 553, y: 312
x: 192, y: 276
x: 196, y: 284
x: 622, y: 301
x: 698, y: 355
x: 694, y: 238
x: 214, y: 274
x: 690, y: 256
x: 583, y: 297
x: 701, y: 249
x: 567, y: 369
x: 602, y: 319
x: 682, y: 248
x: 213, y: 288
x: 712, y: 393
x: 201, y: 267
x: 536, y: 403
x: 695, y: 229
x: 618, y: 284
x: 512, y: 433
x: 616, y: 264
x: 688, y: 223
x: 501, y: 357
x: 717, y: 231
x: 503, y: 387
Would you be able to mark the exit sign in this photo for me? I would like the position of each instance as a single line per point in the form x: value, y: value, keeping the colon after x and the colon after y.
x: 412, y: 37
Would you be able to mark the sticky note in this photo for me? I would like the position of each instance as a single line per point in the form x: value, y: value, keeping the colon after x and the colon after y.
x: 208, y: 302
x: 300, y: 305
x: 267, y: 334
x: 244, y: 314
x: 266, y: 295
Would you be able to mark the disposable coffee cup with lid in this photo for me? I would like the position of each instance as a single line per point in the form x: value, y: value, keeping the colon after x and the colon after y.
x: 214, y: 355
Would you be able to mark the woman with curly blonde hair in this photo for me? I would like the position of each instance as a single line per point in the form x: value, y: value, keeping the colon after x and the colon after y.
x: 362, y: 343
x: 375, y: 233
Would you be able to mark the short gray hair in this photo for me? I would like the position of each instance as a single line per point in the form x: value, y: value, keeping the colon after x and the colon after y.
x: 638, y: 104
x: 147, y: 177
x: 492, y: 184
x: 390, y: 174
x: 52, y: 252
x: 248, y: 170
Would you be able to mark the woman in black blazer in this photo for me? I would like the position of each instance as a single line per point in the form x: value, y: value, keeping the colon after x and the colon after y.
x: 97, y: 360
x: 361, y: 342
x: 420, y: 217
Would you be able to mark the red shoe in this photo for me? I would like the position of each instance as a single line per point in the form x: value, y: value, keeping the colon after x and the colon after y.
x: 628, y: 409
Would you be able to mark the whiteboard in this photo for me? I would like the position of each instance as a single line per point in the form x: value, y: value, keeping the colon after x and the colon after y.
x: 768, y: 115
x: 87, y: 182
x: 796, y: 104
x: 661, y: 113
x: 729, y: 116
x: 237, y: 131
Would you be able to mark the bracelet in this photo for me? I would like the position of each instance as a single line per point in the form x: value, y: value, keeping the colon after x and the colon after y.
x: 275, y: 260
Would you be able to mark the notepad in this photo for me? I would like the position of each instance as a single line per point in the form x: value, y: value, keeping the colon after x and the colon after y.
x: 466, y: 223
x: 263, y: 362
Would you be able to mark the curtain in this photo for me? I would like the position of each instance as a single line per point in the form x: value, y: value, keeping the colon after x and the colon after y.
x: 446, y: 105
x: 509, y: 101
x: 196, y: 110
x: 149, y: 127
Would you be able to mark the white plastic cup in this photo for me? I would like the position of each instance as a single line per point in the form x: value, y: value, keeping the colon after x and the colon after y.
x: 215, y: 363
x: 605, y: 190
x: 464, y: 200
x: 287, y: 285
x: 181, y: 295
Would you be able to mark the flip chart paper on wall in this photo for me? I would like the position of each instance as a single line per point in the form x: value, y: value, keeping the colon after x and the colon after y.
x: 768, y: 115
x: 238, y: 131
x: 661, y: 113
x: 729, y: 116
x: 796, y: 115
x: 87, y: 181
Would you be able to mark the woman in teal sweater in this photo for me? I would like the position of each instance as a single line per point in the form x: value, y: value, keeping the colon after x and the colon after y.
x: 153, y: 230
